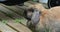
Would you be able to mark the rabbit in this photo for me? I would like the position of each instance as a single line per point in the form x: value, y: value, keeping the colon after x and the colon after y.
x: 49, y: 19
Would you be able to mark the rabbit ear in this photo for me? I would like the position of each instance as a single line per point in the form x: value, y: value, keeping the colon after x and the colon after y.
x: 39, y: 7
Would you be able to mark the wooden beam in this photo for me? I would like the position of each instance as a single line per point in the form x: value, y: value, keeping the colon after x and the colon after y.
x: 5, y: 28
x: 9, y: 12
x: 18, y: 26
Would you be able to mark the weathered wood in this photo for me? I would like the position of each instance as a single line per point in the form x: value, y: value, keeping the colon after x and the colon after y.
x: 11, y: 23
x: 14, y: 12
x: 8, y: 12
x: 4, y: 17
x: 14, y: 9
x: 5, y: 28
x: 18, y: 26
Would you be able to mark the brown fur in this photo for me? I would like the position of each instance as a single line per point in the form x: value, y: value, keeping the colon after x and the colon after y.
x: 49, y: 19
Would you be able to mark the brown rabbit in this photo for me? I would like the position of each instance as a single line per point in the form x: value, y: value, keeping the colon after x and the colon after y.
x: 49, y: 19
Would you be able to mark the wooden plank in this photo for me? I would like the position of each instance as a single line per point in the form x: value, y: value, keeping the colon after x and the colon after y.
x: 4, y: 17
x: 10, y: 21
x: 15, y: 9
x: 18, y: 26
x: 8, y: 12
x: 5, y: 28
